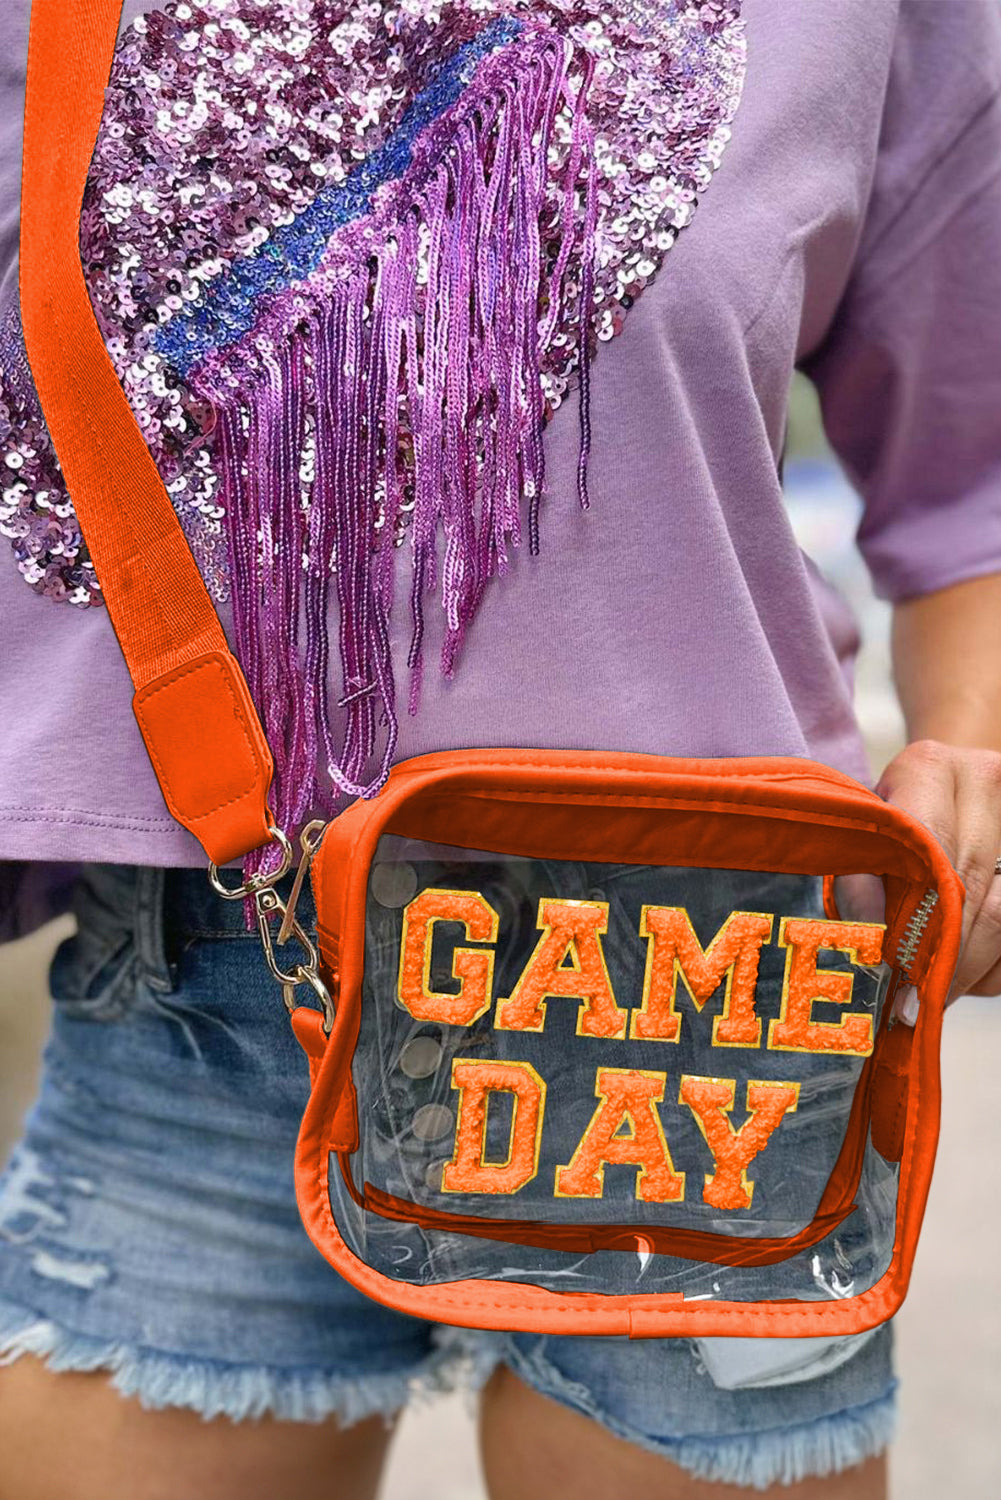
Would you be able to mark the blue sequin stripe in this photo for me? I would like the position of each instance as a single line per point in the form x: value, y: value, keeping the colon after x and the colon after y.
x: 294, y: 250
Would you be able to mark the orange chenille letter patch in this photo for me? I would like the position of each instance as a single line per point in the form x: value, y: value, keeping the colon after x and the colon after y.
x: 571, y: 930
x: 673, y: 950
x: 474, y: 968
x: 476, y: 1079
x: 624, y: 1130
x: 805, y: 984
x: 710, y: 1100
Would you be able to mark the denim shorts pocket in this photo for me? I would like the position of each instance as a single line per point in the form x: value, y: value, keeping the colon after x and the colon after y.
x: 95, y: 974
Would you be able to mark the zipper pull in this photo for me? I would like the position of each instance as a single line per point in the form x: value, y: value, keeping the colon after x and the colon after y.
x: 907, y: 952
x: 309, y: 842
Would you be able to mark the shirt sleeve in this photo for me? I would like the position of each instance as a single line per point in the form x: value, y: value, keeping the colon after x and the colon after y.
x: 909, y: 373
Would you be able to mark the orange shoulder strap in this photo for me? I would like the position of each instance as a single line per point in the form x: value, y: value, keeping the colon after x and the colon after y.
x: 191, y: 701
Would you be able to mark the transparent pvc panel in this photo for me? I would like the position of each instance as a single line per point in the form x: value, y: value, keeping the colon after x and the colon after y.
x: 598, y: 1048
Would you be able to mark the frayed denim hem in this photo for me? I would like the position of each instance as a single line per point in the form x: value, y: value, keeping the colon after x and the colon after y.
x: 785, y: 1455
x: 753, y: 1460
x: 213, y: 1388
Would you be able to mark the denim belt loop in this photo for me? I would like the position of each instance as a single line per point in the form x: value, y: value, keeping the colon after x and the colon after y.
x: 151, y: 949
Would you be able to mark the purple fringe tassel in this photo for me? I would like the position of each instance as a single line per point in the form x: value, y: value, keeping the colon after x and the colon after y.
x: 415, y: 352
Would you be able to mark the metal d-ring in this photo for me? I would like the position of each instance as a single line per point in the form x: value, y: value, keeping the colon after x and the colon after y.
x: 316, y: 984
x: 259, y: 882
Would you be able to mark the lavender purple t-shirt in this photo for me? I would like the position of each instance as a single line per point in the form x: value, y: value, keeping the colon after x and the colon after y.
x: 853, y: 230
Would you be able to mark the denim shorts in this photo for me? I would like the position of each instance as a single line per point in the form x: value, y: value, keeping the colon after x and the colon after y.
x: 148, y: 1226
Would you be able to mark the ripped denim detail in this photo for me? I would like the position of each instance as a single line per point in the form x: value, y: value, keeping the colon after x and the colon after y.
x: 32, y: 1211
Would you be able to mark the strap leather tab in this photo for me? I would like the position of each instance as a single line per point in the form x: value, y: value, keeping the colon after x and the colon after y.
x: 185, y: 717
x: 194, y: 709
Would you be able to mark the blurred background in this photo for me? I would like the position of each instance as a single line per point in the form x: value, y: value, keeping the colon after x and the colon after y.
x: 949, y: 1332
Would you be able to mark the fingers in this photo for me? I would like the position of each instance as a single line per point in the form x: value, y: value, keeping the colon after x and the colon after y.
x: 981, y: 955
x: 990, y: 984
x: 979, y: 816
x: 956, y: 793
x: 922, y: 781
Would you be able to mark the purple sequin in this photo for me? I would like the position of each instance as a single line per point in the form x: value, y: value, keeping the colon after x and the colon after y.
x: 347, y: 262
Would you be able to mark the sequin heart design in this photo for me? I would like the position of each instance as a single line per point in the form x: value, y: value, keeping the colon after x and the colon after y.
x: 348, y: 260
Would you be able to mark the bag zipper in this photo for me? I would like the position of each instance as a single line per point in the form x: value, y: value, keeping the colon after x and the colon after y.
x: 910, y: 942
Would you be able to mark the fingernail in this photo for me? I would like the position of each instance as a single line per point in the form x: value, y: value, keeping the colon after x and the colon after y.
x: 906, y: 1005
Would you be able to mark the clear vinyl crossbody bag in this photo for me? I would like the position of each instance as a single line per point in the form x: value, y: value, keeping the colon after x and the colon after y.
x: 655, y: 1085
x: 596, y: 1041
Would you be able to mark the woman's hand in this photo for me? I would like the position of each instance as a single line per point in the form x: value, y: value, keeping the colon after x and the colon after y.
x: 947, y: 670
x: 956, y: 793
